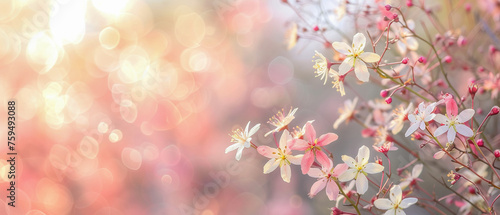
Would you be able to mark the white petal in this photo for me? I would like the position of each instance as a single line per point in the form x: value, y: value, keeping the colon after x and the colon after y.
x: 271, y: 165
x: 429, y: 117
x: 315, y: 173
x: 451, y: 135
x: 361, y: 184
x: 349, y: 161
x: 464, y: 130
x: 369, y: 57
x: 411, y: 43
x: 390, y: 212
x: 348, y: 175
x: 408, y: 202
x: 421, y: 107
x: 341, y: 47
x: 411, y: 129
x: 465, y: 115
x: 383, y: 204
x: 233, y: 147
x: 400, y: 212
x: 430, y: 108
x: 411, y: 24
x: 441, y: 130
x: 284, y: 139
x: 422, y: 125
x: 295, y: 159
x: 401, y: 47
x: 286, y: 173
x: 396, y: 194
x: 246, y: 128
x: 363, y: 155
x: 373, y: 168
x: 361, y: 71
x: 346, y: 65
x: 358, y: 41
x: 417, y: 169
x: 254, y: 130
x: 412, y: 118
x: 239, y: 153
x: 439, y: 155
x: 441, y: 118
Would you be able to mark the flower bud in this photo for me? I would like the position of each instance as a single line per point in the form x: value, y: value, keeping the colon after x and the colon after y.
x: 461, y: 41
x: 422, y: 59
x: 467, y: 7
x: 405, y: 60
x: 480, y: 142
x: 389, y: 100
x: 473, y: 89
x: 384, y: 93
x: 497, y: 153
x: 481, y: 69
x: 472, y: 190
x: 409, y: 3
x: 447, y: 59
x: 388, y: 7
x: 492, y: 49
x: 494, y: 110
x: 394, y: 15
x: 316, y: 28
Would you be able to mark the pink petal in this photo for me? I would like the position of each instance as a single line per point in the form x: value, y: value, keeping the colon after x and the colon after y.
x: 307, y: 162
x: 323, y: 160
x: 332, y: 190
x: 451, y: 106
x: 315, y: 173
x: 439, y: 155
x: 310, y: 133
x: 299, y: 144
x: 339, y: 169
x: 267, y: 151
x: 316, y: 187
x: 326, y: 139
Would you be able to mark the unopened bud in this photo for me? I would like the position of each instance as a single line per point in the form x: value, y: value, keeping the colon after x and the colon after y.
x: 405, y: 60
x: 473, y: 89
x: 316, y: 28
x: 409, y: 3
x: 389, y: 100
x: 461, y: 41
x: 394, y: 15
x: 494, y: 110
x: 497, y: 153
x: 388, y: 7
x: 422, y: 59
x: 492, y: 49
x: 384, y: 93
x: 480, y: 142
x: 472, y: 190
x: 447, y: 59
x: 467, y: 7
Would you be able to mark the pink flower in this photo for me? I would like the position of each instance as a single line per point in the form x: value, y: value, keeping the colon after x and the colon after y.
x: 326, y: 178
x: 311, y: 145
x: 386, y: 147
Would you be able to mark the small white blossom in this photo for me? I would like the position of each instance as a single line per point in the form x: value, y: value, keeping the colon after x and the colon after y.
x: 359, y: 168
x: 395, y: 204
x: 454, y: 124
x: 418, y: 120
x: 242, y: 140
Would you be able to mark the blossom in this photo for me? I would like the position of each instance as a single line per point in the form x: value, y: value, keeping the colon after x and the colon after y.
x: 400, y: 115
x: 321, y: 66
x: 413, y: 177
x: 291, y: 36
x: 326, y: 178
x: 346, y: 113
x: 492, y: 83
x: 338, y: 81
x: 395, y: 204
x: 280, y: 121
x: 385, y: 147
x: 360, y: 165
x: 312, y: 147
x: 453, y: 124
x: 282, y: 157
x: 406, y: 41
x: 356, y: 57
x: 424, y: 114
x: 242, y: 139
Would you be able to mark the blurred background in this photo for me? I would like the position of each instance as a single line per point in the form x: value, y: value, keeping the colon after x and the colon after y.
x: 125, y: 106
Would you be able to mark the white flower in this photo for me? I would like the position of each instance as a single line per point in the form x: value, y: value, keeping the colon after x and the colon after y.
x: 395, y: 204
x: 338, y: 81
x: 321, y: 66
x: 242, y: 140
x: 346, y: 113
x: 356, y: 57
x: 359, y: 168
x: 453, y: 124
x: 406, y: 41
x: 418, y: 120
x: 400, y: 114
x: 413, y: 177
x: 280, y: 121
x: 281, y: 157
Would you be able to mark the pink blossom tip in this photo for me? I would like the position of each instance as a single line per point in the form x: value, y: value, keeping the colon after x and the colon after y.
x: 405, y: 60
x: 388, y: 7
x: 388, y: 100
x: 384, y: 93
x: 497, y: 153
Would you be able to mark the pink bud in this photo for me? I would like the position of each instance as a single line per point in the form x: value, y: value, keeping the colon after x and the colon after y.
x: 384, y: 93
x: 494, y: 110
x: 451, y: 106
x: 388, y: 7
x: 467, y: 7
x: 479, y: 111
x: 405, y: 60
x: 409, y: 3
x: 473, y: 89
x: 394, y: 15
x: 461, y: 41
x: 422, y: 59
x: 472, y: 190
x: 496, y: 153
x: 388, y: 100
x: 492, y: 49
x: 480, y: 142
x: 480, y: 69
x: 447, y: 59
x: 316, y: 28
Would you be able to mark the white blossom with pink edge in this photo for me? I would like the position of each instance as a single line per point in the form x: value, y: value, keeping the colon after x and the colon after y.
x: 359, y: 168
x: 282, y: 157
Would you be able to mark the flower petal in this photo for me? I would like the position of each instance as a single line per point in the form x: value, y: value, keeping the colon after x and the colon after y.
x: 339, y: 169
x: 361, y: 184
x: 348, y: 175
x: 390, y: 212
x: 451, y: 135
x: 306, y: 162
x: 286, y: 173
x: 239, y: 153
x: 341, y: 47
x: 346, y: 65
x: 316, y: 187
x: 326, y: 139
x: 417, y: 169
x: 407, y: 202
x: 451, y: 106
x: 349, y: 161
x: 412, y: 118
x: 383, y: 204
x: 267, y: 151
x: 254, y: 129
x: 332, y: 190
x: 299, y: 144
x: 310, y: 133
x: 465, y: 115
x: 363, y: 155
x: 396, y: 194
x: 441, y: 130
x: 295, y: 159
x: 271, y: 165
x: 413, y: 127
x: 373, y: 168
x: 284, y: 139
x: 464, y: 130
x: 369, y: 57
x: 323, y: 159
x: 429, y: 117
x: 358, y: 41
x: 411, y: 43
x: 361, y: 71
x: 399, y: 212
x: 441, y: 118
x: 315, y: 173
x: 439, y: 155
x: 233, y: 147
